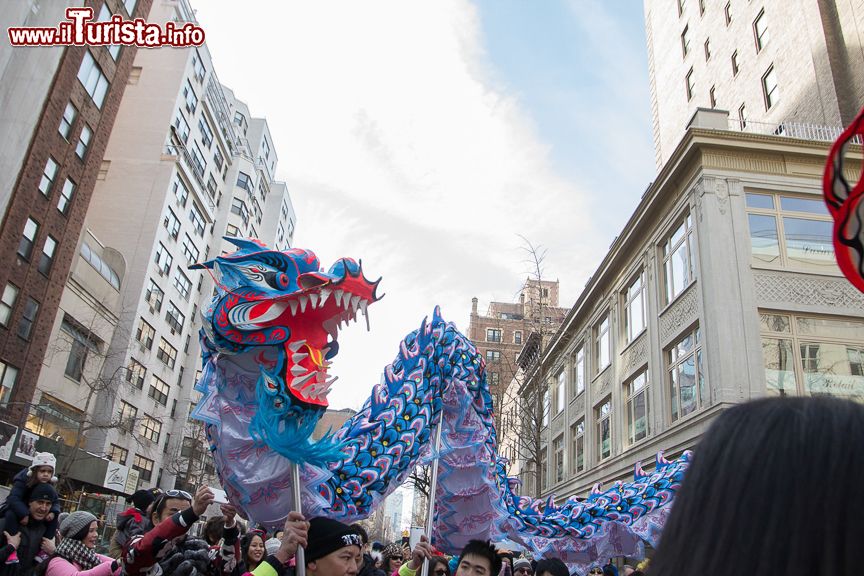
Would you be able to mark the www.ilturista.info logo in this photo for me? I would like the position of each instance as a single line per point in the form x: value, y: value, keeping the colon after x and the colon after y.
x: 80, y: 30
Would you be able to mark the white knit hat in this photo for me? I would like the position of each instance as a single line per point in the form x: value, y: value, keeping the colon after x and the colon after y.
x: 44, y: 459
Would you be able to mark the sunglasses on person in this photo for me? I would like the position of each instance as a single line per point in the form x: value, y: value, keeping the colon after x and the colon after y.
x: 177, y: 494
x: 596, y: 571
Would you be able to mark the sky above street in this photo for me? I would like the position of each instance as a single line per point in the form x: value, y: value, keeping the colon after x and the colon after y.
x: 426, y: 137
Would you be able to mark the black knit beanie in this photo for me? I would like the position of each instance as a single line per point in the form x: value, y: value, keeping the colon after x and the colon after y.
x: 326, y: 536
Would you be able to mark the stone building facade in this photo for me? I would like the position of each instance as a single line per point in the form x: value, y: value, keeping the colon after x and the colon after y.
x: 773, y: 64
x: 722, y: 287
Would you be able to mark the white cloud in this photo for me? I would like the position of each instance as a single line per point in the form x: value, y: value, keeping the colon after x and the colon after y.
x: 397, y: 149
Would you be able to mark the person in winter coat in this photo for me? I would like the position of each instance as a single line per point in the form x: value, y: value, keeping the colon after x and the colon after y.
x: 132, y: 521
x: 367, y: 563
x: 75, y: 555
x: 41, y: 471
x: 30, y: 540
x: 166, y: 548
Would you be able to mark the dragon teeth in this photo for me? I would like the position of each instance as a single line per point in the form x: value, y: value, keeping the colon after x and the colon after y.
x: 338, y: 296
x: 298, y: 382
x: 355, y: 300
x: 363, y: 305
x: 297, y: 358
x: 346, y: 300
x: 313, y: 298
x: 298, y: 370
x: 303, y: 302
x: 293, y: 304
x: 325, y: 293
x: 295, y: 346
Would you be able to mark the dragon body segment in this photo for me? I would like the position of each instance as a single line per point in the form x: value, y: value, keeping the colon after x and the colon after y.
x: 259, y: 420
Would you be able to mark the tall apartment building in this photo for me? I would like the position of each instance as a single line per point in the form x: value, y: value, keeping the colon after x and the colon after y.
x: 721, y: 287
x: 773, y: 64
x: 500, y: 334
x: 57, y: 108
x: 185, y: 165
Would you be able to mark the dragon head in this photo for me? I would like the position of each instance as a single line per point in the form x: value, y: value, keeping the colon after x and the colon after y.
x: 271, y: 298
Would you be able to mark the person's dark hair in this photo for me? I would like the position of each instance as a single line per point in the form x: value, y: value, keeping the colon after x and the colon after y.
x: 214, y: 529
x: 362, y: 532
x: 484, y: 549
x: 434, y: 561
x: 162, y: 500
x: 553, y: 566
x: 246, y: 541
x: 773, y: 486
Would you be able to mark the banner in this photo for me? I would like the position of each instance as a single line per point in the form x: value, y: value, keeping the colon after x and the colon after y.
x: 116, y: 476
x: 26, y: 445
x: 7, y: 439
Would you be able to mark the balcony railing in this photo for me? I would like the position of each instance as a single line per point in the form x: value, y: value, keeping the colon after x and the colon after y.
x: 799, y: 130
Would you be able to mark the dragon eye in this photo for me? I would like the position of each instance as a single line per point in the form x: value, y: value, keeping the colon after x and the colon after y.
x: 282, y: 281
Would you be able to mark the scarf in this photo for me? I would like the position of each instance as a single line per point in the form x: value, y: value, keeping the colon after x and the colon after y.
x: 76, y: 552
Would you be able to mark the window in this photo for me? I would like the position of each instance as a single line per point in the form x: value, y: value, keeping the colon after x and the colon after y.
x: 578, y: 380
x: 94, y: 81
x: 678, y: 266
x: 135, y: 373
x: 211, y: 186
x: 144, y: 466
x: 265, y: 147
x: 517, y: 337
x: 25, y: 246
x: 577, y: 447
x: 118, y: 454
x: 238, y: 207
x: 198, y: 162
x: 163, y: 259
x: 28, y: 318
x: 735, y: 63
x: 154, y: 295
x: 760, y: 30
x: 560, y: 391
x: 47, y: 258
x: 128, y: 413
x: 558, y: 450
x: 634, y: 308
x: 171, y: 224
x: 82, y: 343
x: 707, y: 49
x: 206, y: 132
x: 685, y: 41
x: 243, y: 181
x: 742, y: 116
x: 493, y: 335
x: 197, y: 220
x: 181, y: 126
x: 190, y: 251
x: 712, y: 98
x: 686, y: 377
x: 7, y: 303
x: 240, y: 120
x: 105, y: 16
x: 8, y: 377
x: 232, y: 230
x: 145, y: 334
x: 546, y: 402
x: 688, y: 81
x: 813, y: 355
x: 189, y: 97
x: 68, y: 119
x: 198, y: 66
x: 83, y: 141
x: 544, y: 466
x: 175, y: 318
x: 790, y: 232
x: 493, y: 355
x: 66, y: 194
x: 727, y: 12
x: 182, y: 283
x: 159, y: 390
x: 218, y: 158
x: 181, y: 193
x: 680, y: 7
x: 494, y: 379
x: 603, y: 343
x: 48, y: 175
x: 769, y: 88
x: 637, y: 406
x: 603, y: 420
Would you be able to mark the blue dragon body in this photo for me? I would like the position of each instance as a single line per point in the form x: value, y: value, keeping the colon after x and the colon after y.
x: 266, y: 353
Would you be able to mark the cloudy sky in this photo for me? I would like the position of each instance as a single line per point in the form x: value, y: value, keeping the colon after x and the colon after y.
x: 425, y: 137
